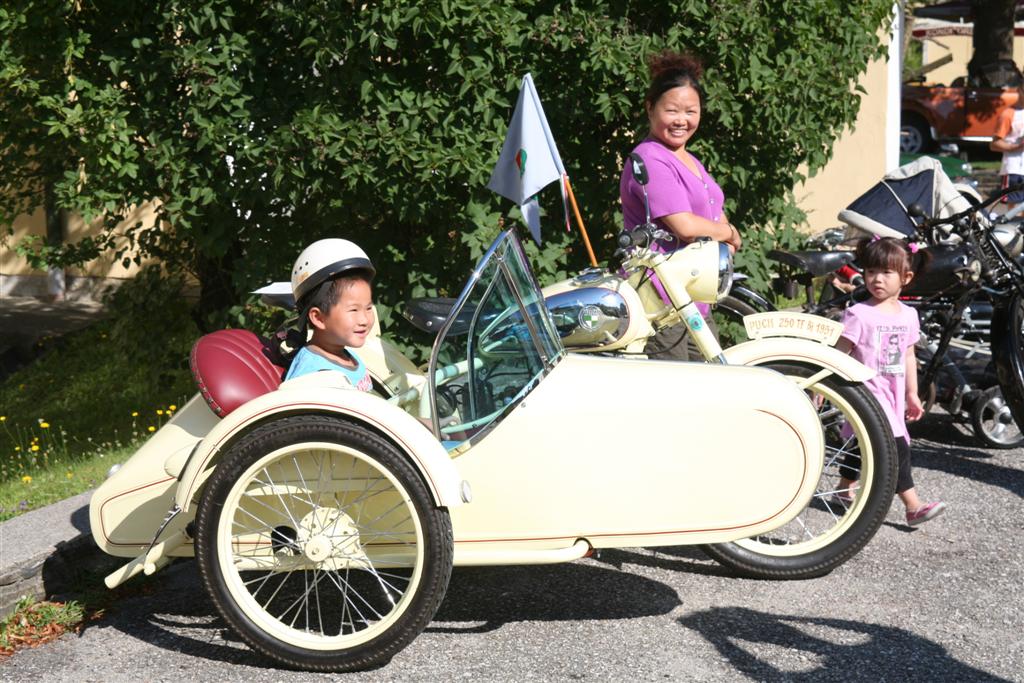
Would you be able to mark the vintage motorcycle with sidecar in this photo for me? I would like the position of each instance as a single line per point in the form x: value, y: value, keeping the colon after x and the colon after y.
x: 326, y: 521
x: 615, y: 312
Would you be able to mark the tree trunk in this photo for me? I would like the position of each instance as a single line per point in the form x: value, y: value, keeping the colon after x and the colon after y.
x: 216, y: 287
x: 56, y: 233
x: 992, y: 64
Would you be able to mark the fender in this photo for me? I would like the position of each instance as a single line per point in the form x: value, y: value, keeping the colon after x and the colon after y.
x: 750, y: 297
x: 327, y: 393
x: 761, y: 351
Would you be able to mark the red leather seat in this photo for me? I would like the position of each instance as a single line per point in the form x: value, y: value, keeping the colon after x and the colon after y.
x: 233, y: 367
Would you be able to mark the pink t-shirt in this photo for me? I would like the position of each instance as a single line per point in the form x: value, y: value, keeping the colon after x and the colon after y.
x: 880, y: 341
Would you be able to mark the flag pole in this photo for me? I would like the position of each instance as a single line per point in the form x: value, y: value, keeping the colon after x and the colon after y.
x: 579, y: 220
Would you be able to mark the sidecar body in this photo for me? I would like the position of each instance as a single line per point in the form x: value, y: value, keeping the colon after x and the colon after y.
x: 326, y: 520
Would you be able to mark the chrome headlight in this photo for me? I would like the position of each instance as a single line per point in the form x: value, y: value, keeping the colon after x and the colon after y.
x: 725, y: 272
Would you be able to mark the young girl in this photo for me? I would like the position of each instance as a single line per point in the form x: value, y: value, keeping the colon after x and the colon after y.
x: 881, y: 334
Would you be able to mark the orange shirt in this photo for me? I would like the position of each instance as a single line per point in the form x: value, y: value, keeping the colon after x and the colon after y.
x: 1004, y: 123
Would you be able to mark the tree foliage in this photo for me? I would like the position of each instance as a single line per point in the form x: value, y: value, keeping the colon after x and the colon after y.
x: 260, y: 126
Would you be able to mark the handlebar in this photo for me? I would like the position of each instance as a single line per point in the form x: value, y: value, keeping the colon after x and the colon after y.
x: 640, y: 236
x: 915, y: 211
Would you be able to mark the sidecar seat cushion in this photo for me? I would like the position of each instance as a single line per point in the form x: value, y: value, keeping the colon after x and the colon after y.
x: 233, y: 367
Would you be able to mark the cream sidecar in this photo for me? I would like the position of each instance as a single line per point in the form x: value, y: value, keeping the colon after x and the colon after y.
x: 326, y: 521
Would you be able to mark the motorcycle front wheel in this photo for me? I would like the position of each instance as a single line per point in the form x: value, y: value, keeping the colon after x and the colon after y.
x: 830, y: 530
x: 320, y: 544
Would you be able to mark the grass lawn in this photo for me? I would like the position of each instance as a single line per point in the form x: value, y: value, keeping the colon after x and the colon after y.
x: 59, y: 481
x: 90, y: 397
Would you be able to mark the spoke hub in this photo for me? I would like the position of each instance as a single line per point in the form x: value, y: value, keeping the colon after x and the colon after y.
x: 331, y: 535
x: 318, y: 548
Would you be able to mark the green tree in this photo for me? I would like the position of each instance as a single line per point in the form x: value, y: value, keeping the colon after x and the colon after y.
x: 262, y: 125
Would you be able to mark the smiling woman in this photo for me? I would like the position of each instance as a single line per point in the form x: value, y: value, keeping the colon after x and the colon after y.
x: 683, y: 197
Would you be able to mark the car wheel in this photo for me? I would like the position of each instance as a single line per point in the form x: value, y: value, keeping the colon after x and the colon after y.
x: 915, y: 136
x: 320, y: 544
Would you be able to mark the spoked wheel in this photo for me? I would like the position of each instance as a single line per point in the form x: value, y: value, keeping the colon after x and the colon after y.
x: 320, y: 544
x: 838, y: 521
x: 992, y: 421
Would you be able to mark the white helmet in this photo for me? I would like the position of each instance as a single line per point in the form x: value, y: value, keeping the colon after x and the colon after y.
x: 323, y: 260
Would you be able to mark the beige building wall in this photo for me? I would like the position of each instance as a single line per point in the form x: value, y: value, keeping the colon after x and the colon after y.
x: 860, y: 157
x: 18, y: 278
x: 960, y: 47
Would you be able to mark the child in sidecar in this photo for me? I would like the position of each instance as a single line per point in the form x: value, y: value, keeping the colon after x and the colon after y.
x: 331, y: 282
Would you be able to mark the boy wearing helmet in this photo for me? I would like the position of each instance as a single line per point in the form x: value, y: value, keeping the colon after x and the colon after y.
x: 331, y: 282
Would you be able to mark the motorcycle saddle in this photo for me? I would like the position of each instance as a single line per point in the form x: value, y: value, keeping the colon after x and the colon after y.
x: 233, y: 367
x: 429, y: 313
x: 816, y: 263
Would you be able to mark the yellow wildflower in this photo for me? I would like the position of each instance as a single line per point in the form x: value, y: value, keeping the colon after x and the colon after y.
x: 70, y: 475
x: 172, y: 407
x: 135, y: 413
x: 3, y: 418
x: 159, y: 412
x: 17, y: 448
x: 35, y: 447
x: 26, y: 479
x: 151, y: 428
x: 44, y: 425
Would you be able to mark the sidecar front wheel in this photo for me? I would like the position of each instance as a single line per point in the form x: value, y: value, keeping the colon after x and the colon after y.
x: 829, y: 531
x: 320, y: 544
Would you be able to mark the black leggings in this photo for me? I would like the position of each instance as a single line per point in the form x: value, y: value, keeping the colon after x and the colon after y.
x: 850, y: 469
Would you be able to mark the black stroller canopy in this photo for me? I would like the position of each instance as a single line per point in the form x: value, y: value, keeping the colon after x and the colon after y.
x: 882, y: 210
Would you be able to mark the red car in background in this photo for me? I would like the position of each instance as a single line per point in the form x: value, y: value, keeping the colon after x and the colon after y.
x: 932, y: 114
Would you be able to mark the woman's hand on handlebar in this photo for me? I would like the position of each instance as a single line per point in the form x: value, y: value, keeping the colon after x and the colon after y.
x: 734, y: 240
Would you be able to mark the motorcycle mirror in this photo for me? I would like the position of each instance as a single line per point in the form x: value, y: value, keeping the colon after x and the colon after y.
x: 915, y: 211
x: 639, y: 169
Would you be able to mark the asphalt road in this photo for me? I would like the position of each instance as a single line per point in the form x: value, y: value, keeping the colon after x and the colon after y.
x: 941, y: 602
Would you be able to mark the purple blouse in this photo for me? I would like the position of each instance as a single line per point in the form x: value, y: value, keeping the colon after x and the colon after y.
x: 671, y: 188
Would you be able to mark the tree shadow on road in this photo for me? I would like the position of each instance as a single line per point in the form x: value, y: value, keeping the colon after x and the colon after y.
x: 817, y: 649
x: 172, y: 611
x: 942, y: 447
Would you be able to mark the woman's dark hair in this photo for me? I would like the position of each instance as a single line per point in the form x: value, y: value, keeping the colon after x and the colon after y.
x: 889, y: 253
x: 673, y: 70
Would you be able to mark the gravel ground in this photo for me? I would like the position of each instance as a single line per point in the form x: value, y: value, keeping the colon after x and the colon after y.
x: 941, y: 602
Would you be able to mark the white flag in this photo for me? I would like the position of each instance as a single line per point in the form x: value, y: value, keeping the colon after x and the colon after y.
x: 529, y: 160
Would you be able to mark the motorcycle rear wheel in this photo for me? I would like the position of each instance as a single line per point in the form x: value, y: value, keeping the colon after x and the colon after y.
x: 1008, y: 354
x: 828, y: 532
x: 320, y: 544
x: 993, y: 422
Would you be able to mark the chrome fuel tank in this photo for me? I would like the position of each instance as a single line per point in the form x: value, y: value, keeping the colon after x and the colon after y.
x: 596, y: 311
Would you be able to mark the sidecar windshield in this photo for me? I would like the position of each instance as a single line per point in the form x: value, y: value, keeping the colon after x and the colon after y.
x: 478, y: 375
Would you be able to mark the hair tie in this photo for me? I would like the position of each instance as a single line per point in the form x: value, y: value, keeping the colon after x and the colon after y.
x: 913, y: 247
x: 875, y: 238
